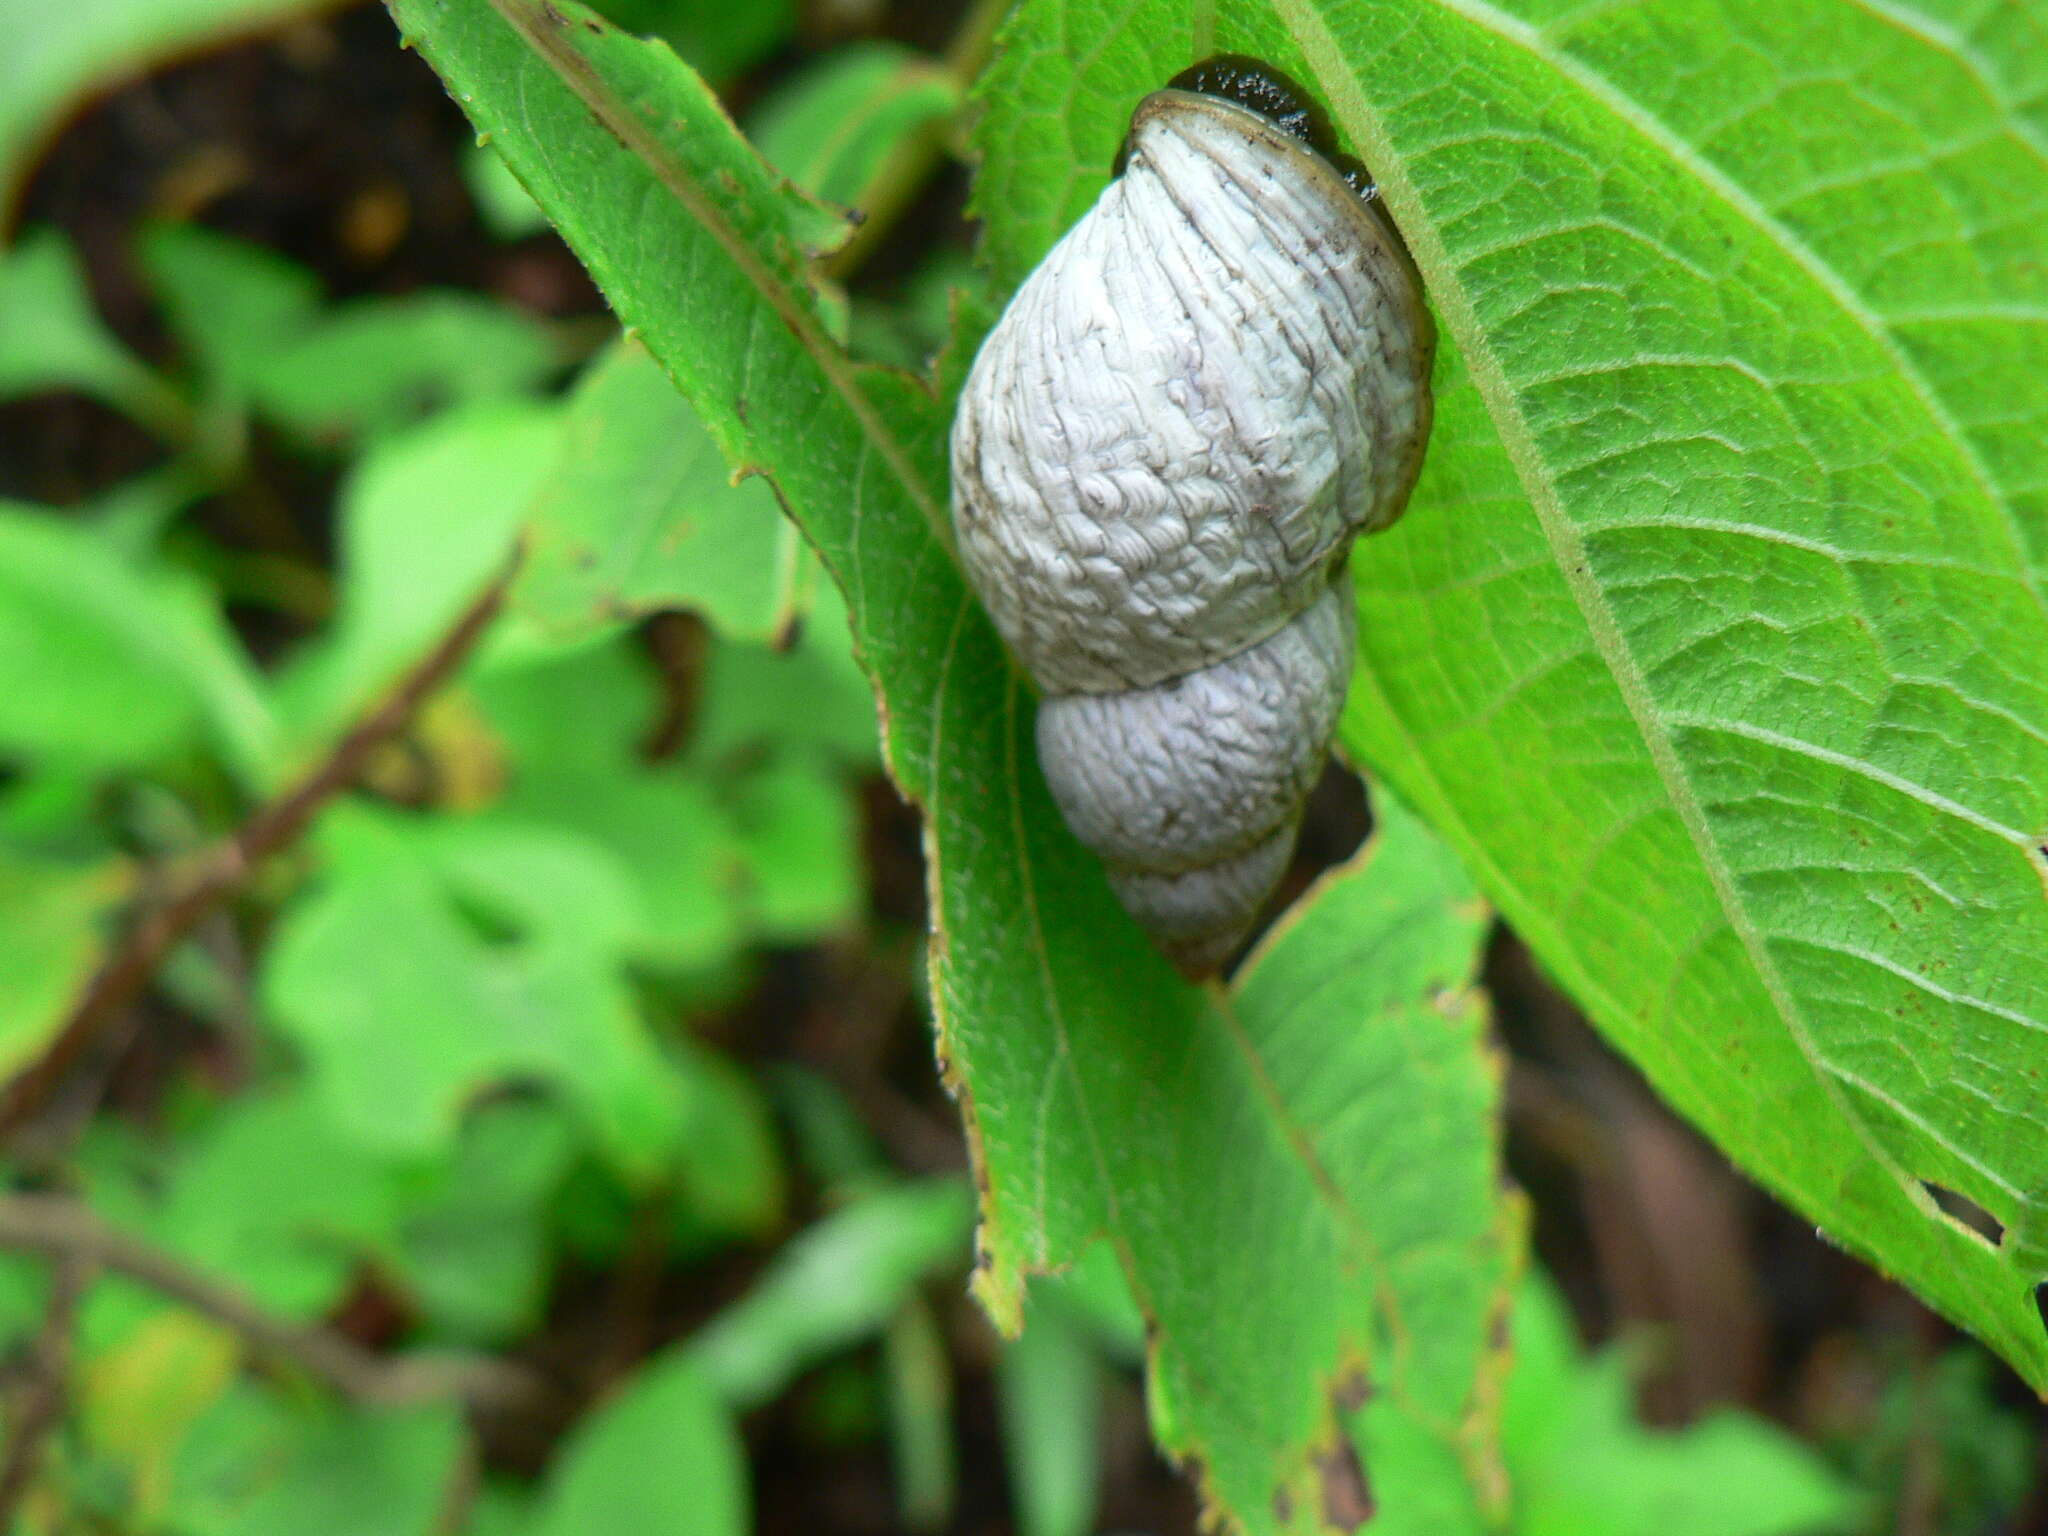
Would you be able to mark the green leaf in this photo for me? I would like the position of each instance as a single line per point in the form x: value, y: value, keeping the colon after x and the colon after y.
x: 808, y: 695
x: 919, y: 1381
x: 832, y: 1287
x: 50, y: 57
x: 57, y: 916
x: 832, y: 1143
x: 1716, y: 637
x: 407, y: 1008
x: 273, y: 1197
x: 82, y: 677
x: 801, y: 851
x: 254, y: 321
x: 507, y: 209
x: 51, y: 338
x: 474, y: 1251
x: 574, y: 726
x: 106, y: 665
x: 371, y: 367
x: 499, y: 1510
x: 1094, y: 1296
x: 717, y: 38
x: 833, y: 128
x: 729, y: 1168
x: 428, y: 521
x: 1103, y: 1094
x: 662, y: 1456
x: 255, y: 1468
x: 1052, y: 1386
x: 640, y: 515
x: 24, y: 1295
x: 234, y: 306
x: 138, y: 1397
x: 1942, y: 1432
x: 724, y: 1179
x: 1582, y: 1466
x: 533, y: 881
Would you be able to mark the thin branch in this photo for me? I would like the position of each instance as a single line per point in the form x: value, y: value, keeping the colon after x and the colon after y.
x: 225, y: 867
x: 42, y: 1398
x: 69, y: 1232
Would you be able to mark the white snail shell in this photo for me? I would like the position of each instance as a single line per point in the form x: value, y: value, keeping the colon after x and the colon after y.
x: 1211, y: 385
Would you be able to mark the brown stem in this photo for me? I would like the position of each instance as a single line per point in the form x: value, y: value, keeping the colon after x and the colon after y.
x: 223, y: 869
x: 42, y: 1400
x: 69, y: 1232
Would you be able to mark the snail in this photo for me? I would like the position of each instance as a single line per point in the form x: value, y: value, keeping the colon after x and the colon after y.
x: 1211, y: 385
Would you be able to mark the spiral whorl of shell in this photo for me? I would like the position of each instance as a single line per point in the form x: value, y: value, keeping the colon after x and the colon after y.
x: 1212, y: 384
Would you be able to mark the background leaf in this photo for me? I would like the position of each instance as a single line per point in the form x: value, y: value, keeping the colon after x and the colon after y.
x: 833, y: 128
x: 55, y: 915
x: 407, y: 1008
x: 387, y: 1471
x: 832, y: 1286
x: 641, y: 515
x: 662, y: 1456
x: 51, y: 338
x: 427, y: 521
x: 105, y: 665
x: 1582, y: 1466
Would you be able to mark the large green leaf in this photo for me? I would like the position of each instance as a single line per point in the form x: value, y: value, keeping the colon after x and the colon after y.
x: 272, y: 1195
x: 254, y: 323
x: 1104, y: 1096
x: 1716, y: 636
x: 474, y: 1251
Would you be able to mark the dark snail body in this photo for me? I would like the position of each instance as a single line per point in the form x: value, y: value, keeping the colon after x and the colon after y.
x: 1207, y: 390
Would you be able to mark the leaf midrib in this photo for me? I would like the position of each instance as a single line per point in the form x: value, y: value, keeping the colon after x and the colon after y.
x: 577, y: 73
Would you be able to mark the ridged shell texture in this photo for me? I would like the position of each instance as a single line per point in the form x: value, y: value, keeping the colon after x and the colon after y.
x: 1207, y: 390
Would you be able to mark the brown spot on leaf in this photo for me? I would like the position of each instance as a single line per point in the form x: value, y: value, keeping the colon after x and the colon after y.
x: 1347, y: 1498
x: 1283, y: 1507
